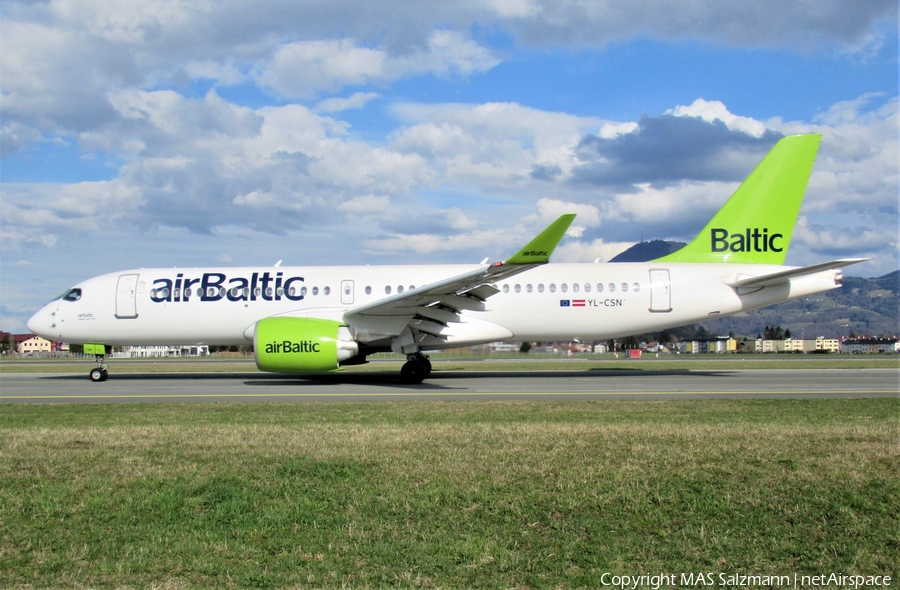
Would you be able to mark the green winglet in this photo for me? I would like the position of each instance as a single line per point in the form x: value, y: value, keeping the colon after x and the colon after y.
x: 756, y: 223
x: 538, y: 250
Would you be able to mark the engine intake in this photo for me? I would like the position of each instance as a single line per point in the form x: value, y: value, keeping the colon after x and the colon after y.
x: 302, y: 345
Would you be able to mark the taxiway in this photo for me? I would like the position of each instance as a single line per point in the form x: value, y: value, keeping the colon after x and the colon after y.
x: 590, y: 384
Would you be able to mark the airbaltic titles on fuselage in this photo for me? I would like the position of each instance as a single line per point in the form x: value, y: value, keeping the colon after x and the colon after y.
x: 216, y: 286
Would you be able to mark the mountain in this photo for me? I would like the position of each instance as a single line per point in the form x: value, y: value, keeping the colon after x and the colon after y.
x: 862, y: 306
x: 644, y: 251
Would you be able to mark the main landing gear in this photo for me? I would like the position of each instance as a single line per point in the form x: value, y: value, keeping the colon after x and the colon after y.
x: 416, y: 368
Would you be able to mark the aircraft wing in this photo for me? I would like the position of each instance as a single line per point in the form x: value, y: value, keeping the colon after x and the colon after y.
x: 784, y: 276
x: 427, y: 310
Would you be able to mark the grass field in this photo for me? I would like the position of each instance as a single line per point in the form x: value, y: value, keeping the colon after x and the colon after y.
x: 429, y: 494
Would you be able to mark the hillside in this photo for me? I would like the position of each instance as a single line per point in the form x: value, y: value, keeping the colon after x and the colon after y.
x: 862, y: 306
x: 644, y: 251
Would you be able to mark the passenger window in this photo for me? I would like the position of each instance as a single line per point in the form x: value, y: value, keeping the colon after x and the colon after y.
x: 506, y: 288
x: 387, y: 290
x: 575, y: 288
x: 518, y: 288
x: 624, y: 287
x: 636, y: 287
x: 400, y: 289
x: 529, y: 288
x: 612, y: 287
x: 315, y: 290
x: 599, y: 287
x: 540, y: 287
x: 303, y: 291
x: 326, y: 291
x: 564, y: 288
x: 368, y: 290
x: 587, y: 287
x: 553, y: 287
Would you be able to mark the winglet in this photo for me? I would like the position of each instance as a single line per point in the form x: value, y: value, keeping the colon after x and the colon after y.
x: 538, y: 250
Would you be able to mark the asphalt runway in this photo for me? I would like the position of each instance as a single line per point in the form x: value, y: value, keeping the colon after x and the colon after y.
x: 450, y: 385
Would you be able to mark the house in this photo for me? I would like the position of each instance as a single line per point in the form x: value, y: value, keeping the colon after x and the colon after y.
x: 716, y: 345
x: 29, y: 344
x: 163, y: 351
x: 870, y: 345
x: 832, y: 345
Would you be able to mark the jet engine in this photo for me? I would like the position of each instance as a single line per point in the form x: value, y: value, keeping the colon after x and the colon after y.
x: 302, y: 345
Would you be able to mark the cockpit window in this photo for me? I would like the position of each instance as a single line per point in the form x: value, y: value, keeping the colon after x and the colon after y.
x: 72, y: 295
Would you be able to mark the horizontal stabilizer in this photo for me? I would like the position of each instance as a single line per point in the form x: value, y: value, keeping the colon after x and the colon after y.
x: 776, y: 278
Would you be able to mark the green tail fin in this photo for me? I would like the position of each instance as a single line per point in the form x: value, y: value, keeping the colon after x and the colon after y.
x: 755, y: 225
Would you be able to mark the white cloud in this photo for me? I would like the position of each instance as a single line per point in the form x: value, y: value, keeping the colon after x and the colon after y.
x: 356, y: 101
x: 306, y: 68
x: 551, y: 209
x: 228, y: 74
x: 488, y: 240
x: 365, y: 205
x: 38, y: 213
x: 493, y: 143
x: 589, y: 251
x: 716, y: 111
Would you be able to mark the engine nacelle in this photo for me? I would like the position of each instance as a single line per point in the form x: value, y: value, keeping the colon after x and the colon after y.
x: 302, y: 345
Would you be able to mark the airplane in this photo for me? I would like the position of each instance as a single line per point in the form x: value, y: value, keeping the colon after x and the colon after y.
x: 313, y: 319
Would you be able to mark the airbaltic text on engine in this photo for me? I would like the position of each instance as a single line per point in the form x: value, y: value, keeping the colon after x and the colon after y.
x: 749, y: 241
x: 295, y: 347
x: 215, y: 286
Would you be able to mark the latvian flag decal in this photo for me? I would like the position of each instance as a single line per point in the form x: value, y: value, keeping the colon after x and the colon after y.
x: 572, y: 302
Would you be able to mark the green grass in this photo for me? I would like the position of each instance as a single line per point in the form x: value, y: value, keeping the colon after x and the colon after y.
x: 457, y: 494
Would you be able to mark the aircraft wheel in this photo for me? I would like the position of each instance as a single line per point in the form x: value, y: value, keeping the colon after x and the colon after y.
x: 98, y: 375
x: 413, y: 372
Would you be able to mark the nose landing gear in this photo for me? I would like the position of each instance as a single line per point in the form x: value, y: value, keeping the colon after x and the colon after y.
x: 99, y: 351
x: 99, y: 374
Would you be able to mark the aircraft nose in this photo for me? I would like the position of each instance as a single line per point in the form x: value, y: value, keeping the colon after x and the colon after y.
x: 33, y: 323
x: 41, y: 322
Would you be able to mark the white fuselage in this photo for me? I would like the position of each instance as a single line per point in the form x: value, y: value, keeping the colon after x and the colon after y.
x: 554, y: 302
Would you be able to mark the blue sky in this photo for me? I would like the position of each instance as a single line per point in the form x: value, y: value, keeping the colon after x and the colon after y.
x: 154, y: 133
